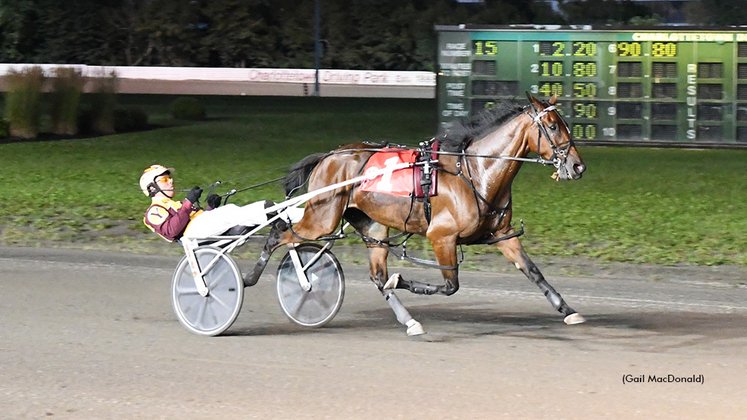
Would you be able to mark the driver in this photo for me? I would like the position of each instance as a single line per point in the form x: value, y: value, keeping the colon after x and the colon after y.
x: 167, y: 217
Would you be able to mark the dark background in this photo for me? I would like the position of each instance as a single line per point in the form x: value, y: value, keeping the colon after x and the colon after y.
x: 355, y: 34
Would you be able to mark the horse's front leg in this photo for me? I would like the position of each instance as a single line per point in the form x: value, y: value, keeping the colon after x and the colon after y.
x: 445, y: 250
x: 513, y: 250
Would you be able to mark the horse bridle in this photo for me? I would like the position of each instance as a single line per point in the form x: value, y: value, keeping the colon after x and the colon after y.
x: 559, y: 151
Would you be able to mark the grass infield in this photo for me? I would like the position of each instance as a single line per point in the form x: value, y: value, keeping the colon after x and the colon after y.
x: 661, y: 206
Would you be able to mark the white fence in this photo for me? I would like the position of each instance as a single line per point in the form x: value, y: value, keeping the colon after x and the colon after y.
x: 256, y: 82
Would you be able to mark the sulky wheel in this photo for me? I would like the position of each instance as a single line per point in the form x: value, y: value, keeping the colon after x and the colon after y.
x: 317, y: 306
x: 212, y: 314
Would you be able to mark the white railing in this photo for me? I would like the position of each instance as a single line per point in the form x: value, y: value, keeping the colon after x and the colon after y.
x: 254, y: 81
x: 326, y: 76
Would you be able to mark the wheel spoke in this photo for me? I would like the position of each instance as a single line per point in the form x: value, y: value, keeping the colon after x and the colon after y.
x: 324, y: 303
x: 317, y: 306
x: 217, y: 274
x: 186, y: 290
x: 300, y: 304
x: 201, y: 313
x: 221, y: 302
x: 214, y: 313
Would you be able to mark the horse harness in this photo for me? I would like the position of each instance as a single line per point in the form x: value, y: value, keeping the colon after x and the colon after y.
x: 560, y: 151
x: 427, y: 162
x: 428, y: 157
x: 558, y: 158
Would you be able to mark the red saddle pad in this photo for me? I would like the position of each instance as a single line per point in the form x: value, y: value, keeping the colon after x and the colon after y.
x: 402, y: 182
x: 396, y: 182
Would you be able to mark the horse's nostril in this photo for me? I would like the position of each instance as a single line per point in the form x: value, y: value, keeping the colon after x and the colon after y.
x: 579, y: 168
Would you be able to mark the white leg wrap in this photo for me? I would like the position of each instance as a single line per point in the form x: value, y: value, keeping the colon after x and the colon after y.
x: 403, y: 317
x: 392, y: 282
x: 573, y: 319
x: 414, y: 328
x: 399, y: 309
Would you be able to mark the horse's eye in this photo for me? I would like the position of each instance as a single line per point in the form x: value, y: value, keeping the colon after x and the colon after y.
x: 553, y: 127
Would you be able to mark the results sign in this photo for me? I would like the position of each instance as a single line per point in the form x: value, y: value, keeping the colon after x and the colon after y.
x: 687, y: 86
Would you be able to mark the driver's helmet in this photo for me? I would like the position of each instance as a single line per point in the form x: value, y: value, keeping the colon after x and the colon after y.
x: 148, y: 178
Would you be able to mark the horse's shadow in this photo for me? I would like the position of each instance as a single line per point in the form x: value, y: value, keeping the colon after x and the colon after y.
x: 648, y: 331
x: 652, y: 331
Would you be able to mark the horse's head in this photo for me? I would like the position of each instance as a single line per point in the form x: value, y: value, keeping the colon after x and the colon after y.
x: 554, y: 142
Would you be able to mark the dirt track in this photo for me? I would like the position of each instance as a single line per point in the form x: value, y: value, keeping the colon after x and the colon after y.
x: 91, y: 335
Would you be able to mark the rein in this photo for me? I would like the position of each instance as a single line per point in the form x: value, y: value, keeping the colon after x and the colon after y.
x: 386, y: 244
x: 560, y: 152
x: 558, y: 158
x: 446, y: 153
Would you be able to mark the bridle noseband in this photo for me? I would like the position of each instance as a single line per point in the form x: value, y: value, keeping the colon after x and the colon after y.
x: 560, y: 151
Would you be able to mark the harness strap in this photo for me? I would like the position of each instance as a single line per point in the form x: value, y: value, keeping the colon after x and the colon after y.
x: 492, y: 210
x: 557, y: 149
x: 426, y: 156
x: 490, y: 240
x: 403, y: 255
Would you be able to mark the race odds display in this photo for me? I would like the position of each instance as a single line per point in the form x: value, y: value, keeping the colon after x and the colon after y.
x: 679, y: 85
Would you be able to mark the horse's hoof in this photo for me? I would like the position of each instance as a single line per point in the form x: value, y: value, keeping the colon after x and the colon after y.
x: 392, y: 282
x: 414, y: 328
x: 574, y: 319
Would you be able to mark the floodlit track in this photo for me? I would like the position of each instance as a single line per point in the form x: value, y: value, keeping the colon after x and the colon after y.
x: 92, y: 335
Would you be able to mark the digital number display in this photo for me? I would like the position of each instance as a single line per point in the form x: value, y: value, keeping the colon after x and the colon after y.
x: 584, y: 69
x: 584, y: 90
x: 664, y: 49
x: 551, y: 68
x: 555, y: 49
x: 584, y: 110
x: 629, y: 49
x: 629, y: 69
x: 484, y: 48
x: 584, y: 131
x: 584, y: 49
x: 673, y: 84
x: 549, y: 89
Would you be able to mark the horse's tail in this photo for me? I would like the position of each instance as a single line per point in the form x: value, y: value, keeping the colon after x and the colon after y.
x: 300, y: 171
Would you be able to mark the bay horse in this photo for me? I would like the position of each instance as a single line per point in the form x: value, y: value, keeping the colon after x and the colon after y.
x: 476, y: 169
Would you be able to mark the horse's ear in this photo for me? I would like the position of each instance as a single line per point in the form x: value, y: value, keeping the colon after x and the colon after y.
x: 554, y: 99
x: 535, y: 103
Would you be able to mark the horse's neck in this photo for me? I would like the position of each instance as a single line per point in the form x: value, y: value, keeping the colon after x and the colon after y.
x: 510, y: 139
x: 494, y: 175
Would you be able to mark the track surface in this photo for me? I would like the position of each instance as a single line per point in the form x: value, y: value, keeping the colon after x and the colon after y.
x: 91, y: 335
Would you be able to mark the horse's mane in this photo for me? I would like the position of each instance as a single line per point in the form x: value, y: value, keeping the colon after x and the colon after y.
x: 462, y: 132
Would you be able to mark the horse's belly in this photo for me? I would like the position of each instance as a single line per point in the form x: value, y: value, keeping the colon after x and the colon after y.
x: 392, y: 211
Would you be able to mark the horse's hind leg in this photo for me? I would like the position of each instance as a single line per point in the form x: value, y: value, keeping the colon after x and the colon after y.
x: 318, y: 220
x: 377, y: 257
x: 513, y: 250
x: 445, y: 250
